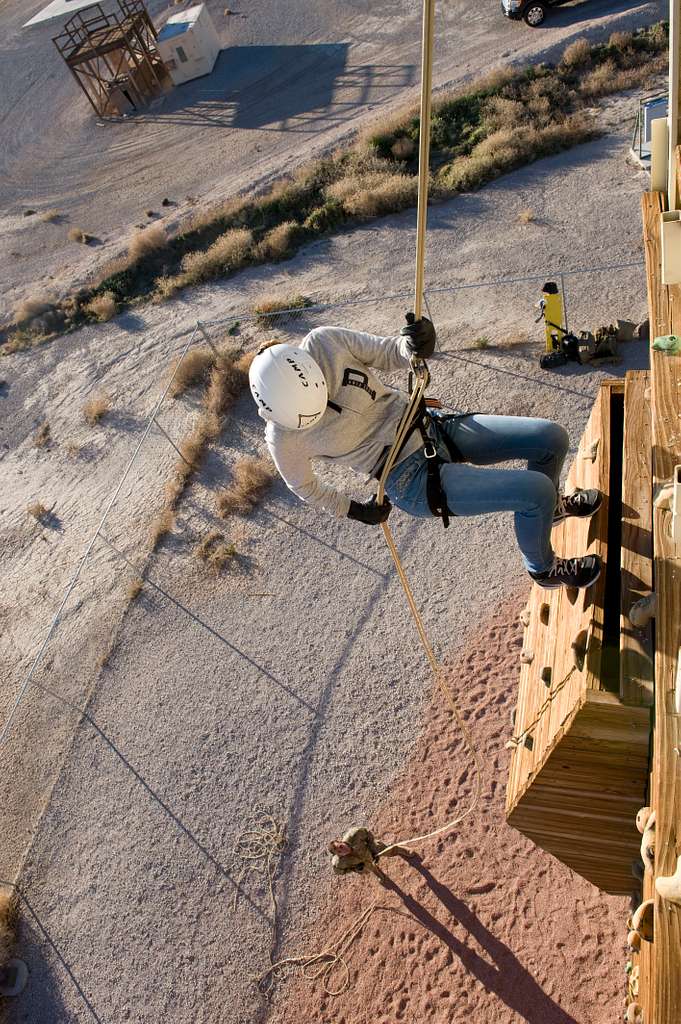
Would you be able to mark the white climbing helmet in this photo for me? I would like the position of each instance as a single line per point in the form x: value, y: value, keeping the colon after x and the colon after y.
x: 288, y: 387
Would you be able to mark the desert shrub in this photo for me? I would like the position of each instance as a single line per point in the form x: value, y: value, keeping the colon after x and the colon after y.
x: 166, y: 286
x: 50, y: 216
x: 371, y: 195
x: 96, y: 408
x: 102, y: 307
x: 162, y: 524
x: 37, y: 510
x: 280, y: 241
x: 270, y: 310
x: 29, y: 309
x: 9, y: 912
x: 577, y: 54
x: 621, y: 40
x: 500, y: 112
x: 133, y: 588
x: 78, y: 235
x: 148, y: 240
x: 326, y: 217
x: 228, y: 380
x: 229, y: 252
x: 505, y: 150
x: 193, y: 370
x: 251, y: 479
x: 42, y: 436
x: 214, y: 551
x: 526, y: 216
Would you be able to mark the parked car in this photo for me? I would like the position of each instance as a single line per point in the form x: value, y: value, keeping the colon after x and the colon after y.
x: 532, y: 12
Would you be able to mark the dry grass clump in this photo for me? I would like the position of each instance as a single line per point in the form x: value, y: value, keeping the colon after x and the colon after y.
x: 96, y: 408
x: 147, y: 241
x: 50, y: 216
x: 228, y: 379
x: 214, y: 551
x: 278, y: 243
x: 37, y: 510
x: 102, y: 307
x: 42, y: 436
x: 162, y: 524
x: 193, y: 370
x: 229, y: 252
x: 271, y: 309
x: 251, y: 479
x: 9, y: 913
x: 78, y: 235
x: 526, y: 216
x: 577, y: 54
x: 371, y: 195
x: 29, y: 309
x: 507, y: 149
x: 482, y: 342
x: 133, y: 588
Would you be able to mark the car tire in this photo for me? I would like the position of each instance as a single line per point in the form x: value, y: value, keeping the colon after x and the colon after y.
x: 534, y: 13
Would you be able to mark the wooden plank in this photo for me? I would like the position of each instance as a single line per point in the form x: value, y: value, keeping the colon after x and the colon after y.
x: 652, y: 205
x: 581, y: 805
x: 636, y: 644
x: 663, y: 985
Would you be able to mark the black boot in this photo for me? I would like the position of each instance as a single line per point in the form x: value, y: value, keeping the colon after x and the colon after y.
x: 570, y: 572
x: 580, y: 503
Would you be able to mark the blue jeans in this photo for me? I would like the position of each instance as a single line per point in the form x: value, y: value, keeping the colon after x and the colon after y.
x: 471, y: 490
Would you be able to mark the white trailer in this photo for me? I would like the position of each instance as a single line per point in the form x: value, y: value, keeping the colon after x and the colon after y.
x: 189, y: 44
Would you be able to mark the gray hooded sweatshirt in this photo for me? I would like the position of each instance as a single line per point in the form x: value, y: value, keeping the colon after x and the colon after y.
x: 360, y: 420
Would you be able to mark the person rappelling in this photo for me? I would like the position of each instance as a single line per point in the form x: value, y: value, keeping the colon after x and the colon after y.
x: 322, y: 400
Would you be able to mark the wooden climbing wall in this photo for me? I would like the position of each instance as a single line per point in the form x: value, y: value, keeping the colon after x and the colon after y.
x: 579, y: 765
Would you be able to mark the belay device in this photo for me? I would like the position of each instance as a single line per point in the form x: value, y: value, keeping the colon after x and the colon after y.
x: 561, y: 345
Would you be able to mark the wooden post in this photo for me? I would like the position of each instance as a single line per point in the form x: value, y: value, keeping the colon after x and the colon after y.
x: 674, y: 97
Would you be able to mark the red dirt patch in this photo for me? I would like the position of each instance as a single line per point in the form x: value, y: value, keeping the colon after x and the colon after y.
x: 488, y: 929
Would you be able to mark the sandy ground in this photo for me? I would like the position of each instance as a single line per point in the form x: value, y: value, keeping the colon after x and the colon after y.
x: 295, y: 666
x: 487, y: 927
x: 292, y: 79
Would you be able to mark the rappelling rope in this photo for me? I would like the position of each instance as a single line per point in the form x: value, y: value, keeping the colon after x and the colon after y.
x: 322, y: 965
x: 413, y: 410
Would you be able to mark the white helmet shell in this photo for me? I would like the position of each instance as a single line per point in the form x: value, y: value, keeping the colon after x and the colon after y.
x: 288, y: 387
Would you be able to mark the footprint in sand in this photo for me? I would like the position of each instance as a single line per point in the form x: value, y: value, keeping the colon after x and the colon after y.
x: 480, y: 890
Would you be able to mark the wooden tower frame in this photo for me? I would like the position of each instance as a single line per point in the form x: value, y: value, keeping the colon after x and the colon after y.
x: 113, y: 57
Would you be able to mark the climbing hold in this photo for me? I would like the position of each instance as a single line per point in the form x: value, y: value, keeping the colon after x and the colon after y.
x: 13, y: 977
x: 546, y: 675
x: 524, y: 617
x: 664, y: 497
x: 527, y: 656
x: 544, y: 613
x: 580, y: 647
x: 592, y: 451
x: 642, y: 817
x: 634, y: 1014
x: 669, y: 886
x: 648, y: 849
x: 633, y: 941
x: 643, y: 610
x: 643, y: 920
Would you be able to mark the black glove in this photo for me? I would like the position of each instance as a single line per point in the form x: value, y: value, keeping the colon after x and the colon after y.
x: 369, y: 512
x: 421, y: 335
